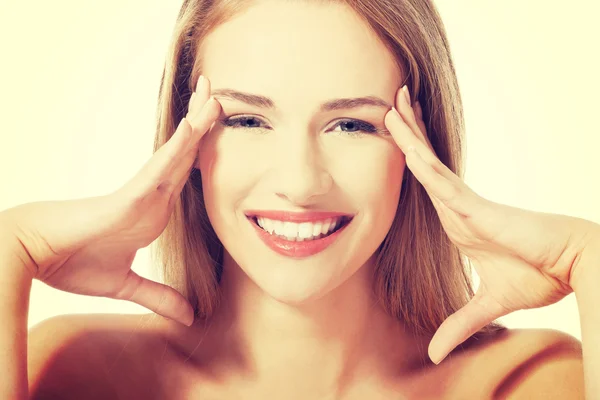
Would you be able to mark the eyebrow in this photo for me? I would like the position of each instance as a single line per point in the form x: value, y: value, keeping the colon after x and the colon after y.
x: 330, y: 105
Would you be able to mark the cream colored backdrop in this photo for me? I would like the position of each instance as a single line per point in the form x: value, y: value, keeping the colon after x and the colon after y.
x: 79, y: 82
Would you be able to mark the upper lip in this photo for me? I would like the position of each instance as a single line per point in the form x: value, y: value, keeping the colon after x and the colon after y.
x: 290, y: 216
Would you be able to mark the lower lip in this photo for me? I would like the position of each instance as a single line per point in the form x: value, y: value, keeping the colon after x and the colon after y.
x: 302, y: 249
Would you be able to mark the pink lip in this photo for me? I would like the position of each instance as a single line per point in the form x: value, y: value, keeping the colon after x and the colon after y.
x: 302, y: 249
x: 307, y: 216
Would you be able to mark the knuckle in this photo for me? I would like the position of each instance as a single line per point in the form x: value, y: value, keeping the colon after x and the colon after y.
x: 129, y: 291
x: 165, y: 187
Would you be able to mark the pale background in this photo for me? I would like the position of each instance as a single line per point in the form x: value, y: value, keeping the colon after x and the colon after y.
x: 79, y: 81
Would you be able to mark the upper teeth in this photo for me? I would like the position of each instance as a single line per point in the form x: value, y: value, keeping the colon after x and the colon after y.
x: 301, y: 231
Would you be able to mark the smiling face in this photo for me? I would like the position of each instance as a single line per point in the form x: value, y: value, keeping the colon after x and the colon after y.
x: 298, y: 154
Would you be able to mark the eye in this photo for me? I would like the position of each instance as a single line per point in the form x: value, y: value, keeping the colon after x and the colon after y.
x: 241, y: 122
x: 353, y: 127
x: 356, y: 127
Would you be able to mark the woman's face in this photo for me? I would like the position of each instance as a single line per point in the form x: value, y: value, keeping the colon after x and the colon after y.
x: 289, y: 154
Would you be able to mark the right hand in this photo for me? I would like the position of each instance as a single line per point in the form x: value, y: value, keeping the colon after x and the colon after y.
x: 87, y: 246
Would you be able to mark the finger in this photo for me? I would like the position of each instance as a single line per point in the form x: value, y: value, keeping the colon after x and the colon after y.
x: 420, y: 121
x: 196, y: 105
x: 455, y: 194
x: 200, y: 97
x: 201, y: 125
x: 177, y: 190
x: 436, y: 202
x: 161, y: 299
x: 410, y: 117
x: 405, y: 138
x: 151, y: 174
x: 461, y: 325
x: 200, y: 116
x: 168, y: 157
x: 406, y: 132
x: 191, y: 104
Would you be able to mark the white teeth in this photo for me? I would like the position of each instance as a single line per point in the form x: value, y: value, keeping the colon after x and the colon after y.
x: 290, y: 229
x: 317, y: 229
x: 326, y: 226
x: 305, y: 230
x: 299, y: 232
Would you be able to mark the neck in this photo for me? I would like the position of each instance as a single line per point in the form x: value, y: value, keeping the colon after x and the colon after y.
x: 329, y: 344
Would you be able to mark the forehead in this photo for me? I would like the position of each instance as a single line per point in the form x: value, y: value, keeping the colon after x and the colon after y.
x: 294, y: 50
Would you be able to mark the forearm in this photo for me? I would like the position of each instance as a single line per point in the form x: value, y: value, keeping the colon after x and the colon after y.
x: 15, y: 287
x: 587, y: 292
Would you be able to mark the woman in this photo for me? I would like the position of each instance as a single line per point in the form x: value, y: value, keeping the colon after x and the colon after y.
x: 375, y: 294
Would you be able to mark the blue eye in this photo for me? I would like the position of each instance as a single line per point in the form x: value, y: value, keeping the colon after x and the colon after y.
x: 354, y: 127
x: 239, y: 122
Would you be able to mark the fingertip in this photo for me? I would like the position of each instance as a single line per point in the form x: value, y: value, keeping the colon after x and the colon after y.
x: 189, y: 322
x: 216, y: 104
x: 182, y: 310
x: 434, y: 355
x: 391, y: 115
x: 189, y: 316
x: 437, y: 359
x: 185, y: 318
x: 186, y: 129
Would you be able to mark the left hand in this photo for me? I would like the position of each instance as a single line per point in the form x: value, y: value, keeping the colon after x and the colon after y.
x: 524, y: 259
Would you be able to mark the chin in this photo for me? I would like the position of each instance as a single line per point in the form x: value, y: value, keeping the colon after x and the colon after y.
x: 295, y: 289
x: 296, y: 297
x: 301, y: 286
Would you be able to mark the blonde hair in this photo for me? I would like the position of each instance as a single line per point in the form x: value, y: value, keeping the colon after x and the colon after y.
x: 421, y: 277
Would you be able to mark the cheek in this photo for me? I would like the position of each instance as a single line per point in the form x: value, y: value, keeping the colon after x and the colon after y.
x: 226, y: 168
x: 373, y: 175
x: 369, y: 173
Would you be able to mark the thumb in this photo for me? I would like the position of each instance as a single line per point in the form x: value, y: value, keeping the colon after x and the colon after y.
x: 458, y: 327
x: 162, y: 299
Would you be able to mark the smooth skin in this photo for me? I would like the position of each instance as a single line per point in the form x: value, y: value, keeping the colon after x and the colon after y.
x: 525, y: 259
x: 270, y: 349
x: 100, y: 356
x: 93, y: 253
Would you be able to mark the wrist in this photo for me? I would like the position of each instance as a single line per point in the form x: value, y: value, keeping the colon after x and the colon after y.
x: 13, y: 254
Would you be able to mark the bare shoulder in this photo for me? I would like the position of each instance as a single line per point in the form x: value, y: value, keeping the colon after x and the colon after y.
x: 92, y: 356
x: 525, y: 364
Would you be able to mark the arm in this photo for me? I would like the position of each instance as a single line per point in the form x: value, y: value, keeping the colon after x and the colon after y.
x: 587, y: 292
x: 15, y: 287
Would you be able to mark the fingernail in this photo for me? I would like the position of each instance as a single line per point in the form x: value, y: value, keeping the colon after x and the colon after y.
x: 200, y: 80
x: 406, y: 94
x: 440, y: 360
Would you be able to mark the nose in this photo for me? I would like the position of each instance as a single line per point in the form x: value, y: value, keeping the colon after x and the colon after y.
x: 302, y: 178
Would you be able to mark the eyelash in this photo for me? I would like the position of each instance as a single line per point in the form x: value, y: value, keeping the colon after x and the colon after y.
x: 363, y: 127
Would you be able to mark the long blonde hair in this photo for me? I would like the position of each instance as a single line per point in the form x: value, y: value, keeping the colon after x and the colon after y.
x: 421, y: 278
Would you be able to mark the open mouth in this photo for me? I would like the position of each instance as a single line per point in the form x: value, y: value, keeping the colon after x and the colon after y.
x: 341, y: 223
